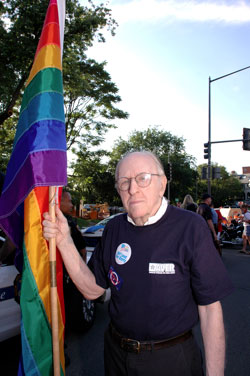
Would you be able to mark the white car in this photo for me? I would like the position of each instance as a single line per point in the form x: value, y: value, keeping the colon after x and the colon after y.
x: 93, y: 234
x: 10, y: 313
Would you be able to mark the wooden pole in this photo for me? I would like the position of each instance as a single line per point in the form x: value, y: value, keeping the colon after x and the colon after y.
x: 53, y: 286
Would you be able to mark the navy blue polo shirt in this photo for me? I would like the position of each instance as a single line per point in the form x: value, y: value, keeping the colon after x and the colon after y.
x: 159, y: 273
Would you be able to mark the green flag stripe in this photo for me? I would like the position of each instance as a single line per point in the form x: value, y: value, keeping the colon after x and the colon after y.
x: 39, y: 333
x: 47, y: 80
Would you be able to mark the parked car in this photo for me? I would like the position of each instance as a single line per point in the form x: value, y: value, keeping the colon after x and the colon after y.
x: 93, y: 234
x: 10, y: 313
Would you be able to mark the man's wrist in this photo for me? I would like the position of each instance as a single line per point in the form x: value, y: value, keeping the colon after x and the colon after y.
x: 65, y: 242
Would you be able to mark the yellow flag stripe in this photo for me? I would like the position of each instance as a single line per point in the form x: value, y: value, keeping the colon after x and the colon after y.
x: 38, y: 255
x: 48, y: 57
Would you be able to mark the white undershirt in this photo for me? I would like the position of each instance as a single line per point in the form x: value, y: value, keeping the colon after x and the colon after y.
x: 160, y: 212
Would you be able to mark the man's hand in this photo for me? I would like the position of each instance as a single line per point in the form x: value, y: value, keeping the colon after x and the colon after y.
x: 58, y: 229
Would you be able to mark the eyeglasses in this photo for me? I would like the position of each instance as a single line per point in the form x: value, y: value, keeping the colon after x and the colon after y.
x: 143, y: 180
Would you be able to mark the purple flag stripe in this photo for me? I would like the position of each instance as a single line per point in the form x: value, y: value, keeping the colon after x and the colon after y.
x: 41, y: 168
x: 43, y: 135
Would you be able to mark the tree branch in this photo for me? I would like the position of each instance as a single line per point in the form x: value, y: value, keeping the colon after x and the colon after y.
x: 8, y: 112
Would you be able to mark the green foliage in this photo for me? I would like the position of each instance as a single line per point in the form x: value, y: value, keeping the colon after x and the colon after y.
x: 225, y: 190
x: 86, y: 222
x: 7, y: 133
x: 91, y: 181
x: 89, y: 116
x: 90, y: 95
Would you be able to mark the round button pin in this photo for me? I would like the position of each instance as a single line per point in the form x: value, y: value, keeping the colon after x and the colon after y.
x: 123, y: 254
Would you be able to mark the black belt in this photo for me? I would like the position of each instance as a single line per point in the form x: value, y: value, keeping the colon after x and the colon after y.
x: 132, y: 345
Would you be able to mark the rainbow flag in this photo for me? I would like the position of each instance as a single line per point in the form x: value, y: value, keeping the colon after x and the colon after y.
x: 38, y: 161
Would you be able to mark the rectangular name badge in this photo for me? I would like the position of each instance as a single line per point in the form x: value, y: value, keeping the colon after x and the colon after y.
x: 155, y: 268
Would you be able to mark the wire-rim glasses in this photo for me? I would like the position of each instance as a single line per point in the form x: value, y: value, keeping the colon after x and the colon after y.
x: 143, y: 180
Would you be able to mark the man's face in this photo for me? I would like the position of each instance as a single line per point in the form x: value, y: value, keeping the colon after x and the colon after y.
x: 141, y: 203
x: 66, y: 203
x: 208, y: 201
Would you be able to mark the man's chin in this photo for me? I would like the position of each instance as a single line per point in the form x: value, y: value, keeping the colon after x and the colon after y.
x: 136, y: 214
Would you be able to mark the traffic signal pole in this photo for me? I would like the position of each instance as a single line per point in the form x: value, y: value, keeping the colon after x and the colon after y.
x: 209, y: 139
x: 169, y: 179
x: 209, y: 123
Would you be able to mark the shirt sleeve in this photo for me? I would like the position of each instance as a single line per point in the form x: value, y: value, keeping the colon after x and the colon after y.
x: 209, y: 278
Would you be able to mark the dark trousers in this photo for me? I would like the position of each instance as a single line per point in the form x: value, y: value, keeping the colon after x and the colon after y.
x: 183, y: 359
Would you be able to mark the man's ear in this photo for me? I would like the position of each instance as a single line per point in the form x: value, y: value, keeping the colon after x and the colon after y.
x: 164, y: 181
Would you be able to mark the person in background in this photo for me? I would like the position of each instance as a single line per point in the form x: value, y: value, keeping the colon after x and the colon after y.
x: 189, y: 204
x: 205, y: 211
x: 220, y: 219
x: 214, y: 218
x: 246, y: 232
x: 70, y: 291
x: 161, y: 283
x: 66, y: 207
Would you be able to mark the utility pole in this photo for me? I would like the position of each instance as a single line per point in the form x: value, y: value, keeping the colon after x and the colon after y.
x: 169, y: 180
x: 209, y: 123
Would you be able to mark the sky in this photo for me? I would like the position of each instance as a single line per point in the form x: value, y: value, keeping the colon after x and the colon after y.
x: 161, y: 58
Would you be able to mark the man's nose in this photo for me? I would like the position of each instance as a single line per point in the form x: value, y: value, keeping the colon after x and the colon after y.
x: 133, y: 188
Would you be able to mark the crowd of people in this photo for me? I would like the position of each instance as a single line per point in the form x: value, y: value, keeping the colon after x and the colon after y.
x: 215, y: 219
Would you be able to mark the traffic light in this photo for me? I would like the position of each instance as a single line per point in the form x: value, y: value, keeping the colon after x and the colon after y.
x: 169, y: 171
x: 206, y: 150
x: 216, y: 173
x: 246, y: 139
x: 204, y: 173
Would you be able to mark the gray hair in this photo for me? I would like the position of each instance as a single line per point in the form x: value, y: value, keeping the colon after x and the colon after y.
x: 156, y: 159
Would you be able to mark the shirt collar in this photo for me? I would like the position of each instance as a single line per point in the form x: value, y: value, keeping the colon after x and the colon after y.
x: 160, y: 212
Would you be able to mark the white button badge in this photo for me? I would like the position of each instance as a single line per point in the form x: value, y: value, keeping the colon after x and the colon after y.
x: 123, y: 254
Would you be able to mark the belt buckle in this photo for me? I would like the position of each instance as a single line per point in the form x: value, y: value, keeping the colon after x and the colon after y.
x: 130, y: 345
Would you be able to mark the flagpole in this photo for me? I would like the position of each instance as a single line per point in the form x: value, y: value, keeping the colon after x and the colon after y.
x: 53, y: 286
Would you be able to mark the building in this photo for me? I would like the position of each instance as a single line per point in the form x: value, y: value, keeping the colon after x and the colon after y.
x: 244, y: 178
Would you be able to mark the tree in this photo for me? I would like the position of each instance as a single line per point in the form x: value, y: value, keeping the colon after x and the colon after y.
x: 91, y: 181
x: 90, y: 95
x: 225, y: 190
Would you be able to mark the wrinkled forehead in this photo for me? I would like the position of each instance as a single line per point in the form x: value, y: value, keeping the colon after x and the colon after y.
x: 136, y: 163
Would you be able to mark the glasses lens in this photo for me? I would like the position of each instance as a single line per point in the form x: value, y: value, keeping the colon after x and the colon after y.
x: 123, y: 184
x: 143, y: 179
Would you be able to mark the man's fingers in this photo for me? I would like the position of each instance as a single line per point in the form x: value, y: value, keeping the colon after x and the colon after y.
x: 46, y: 216
x: 59, y: 214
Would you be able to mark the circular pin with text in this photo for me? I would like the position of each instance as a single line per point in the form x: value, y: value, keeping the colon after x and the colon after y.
x: 123, y: 254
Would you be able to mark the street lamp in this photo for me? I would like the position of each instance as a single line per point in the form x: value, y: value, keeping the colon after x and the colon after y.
x: 209, y: 124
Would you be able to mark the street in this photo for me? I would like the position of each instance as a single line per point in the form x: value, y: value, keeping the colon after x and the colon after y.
x: 86, y: 351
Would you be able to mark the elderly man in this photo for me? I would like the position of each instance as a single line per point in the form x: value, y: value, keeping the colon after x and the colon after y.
x: 164, y: 274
